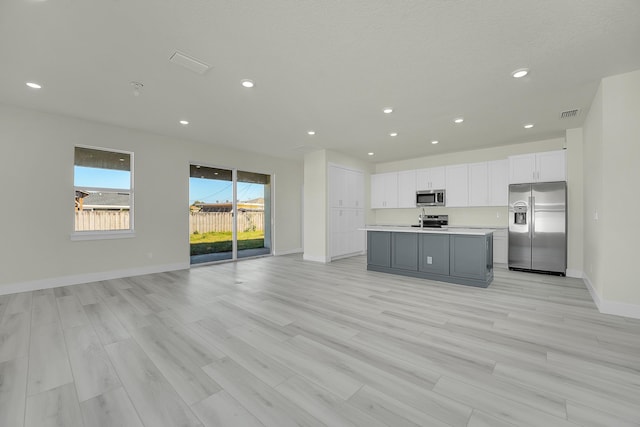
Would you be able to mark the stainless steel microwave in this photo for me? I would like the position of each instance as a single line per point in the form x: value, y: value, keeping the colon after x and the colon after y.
x: 430, y: 198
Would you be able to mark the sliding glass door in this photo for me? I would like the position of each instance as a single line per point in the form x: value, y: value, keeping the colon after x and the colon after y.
x: 253, y: 219
x: 229, y: 214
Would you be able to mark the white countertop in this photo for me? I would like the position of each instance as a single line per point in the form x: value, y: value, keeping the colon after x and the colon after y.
x: 445, y: 230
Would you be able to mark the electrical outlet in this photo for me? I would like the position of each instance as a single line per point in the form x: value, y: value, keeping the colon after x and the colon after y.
x: 429, y: 260
x: 497, y: 214
x: 595, y: 215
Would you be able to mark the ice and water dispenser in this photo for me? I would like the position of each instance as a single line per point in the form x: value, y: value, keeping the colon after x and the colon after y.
x: 520, y: 213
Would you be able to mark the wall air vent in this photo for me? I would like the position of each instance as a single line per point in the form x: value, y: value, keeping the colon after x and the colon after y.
x: 188, y: 62
x: 570, y: 114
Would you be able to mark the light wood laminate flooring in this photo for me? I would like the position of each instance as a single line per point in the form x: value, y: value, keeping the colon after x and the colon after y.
x: 283, y: 342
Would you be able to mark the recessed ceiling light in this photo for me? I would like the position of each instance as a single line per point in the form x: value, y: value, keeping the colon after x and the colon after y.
x: 184, y: 122
x: 520, y: 73
x: 33, y: 85
x: 311, y: 132
x: 371, y: 154
x: 434, y: 142
x: 393, y: 134
x: 387, y: 110
x: 121, y: 159
x: 528, y: 126
x: 197, y: 166
x: 458, y: 120
x: 247, y: 83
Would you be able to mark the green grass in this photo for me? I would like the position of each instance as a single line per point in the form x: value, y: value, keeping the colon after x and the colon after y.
x: 220, y: 241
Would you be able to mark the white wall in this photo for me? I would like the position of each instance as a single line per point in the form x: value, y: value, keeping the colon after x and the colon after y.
x: 482, y: 155
x: 611, y: 175
x: 315, y: 206
x: 621, y: 149
x: 36, y: 189
x: 593, y: 202
x: 575, y: 202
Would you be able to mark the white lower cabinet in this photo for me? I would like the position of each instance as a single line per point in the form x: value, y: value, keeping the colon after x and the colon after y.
x: 346, y: 239
x: 501, y: 246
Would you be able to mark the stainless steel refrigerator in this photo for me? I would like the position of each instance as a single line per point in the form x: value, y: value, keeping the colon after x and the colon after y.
x: 538, y: 227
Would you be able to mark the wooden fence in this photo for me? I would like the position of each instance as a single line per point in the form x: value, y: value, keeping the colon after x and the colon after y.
x: 202, y: 222
x: 102, y: 220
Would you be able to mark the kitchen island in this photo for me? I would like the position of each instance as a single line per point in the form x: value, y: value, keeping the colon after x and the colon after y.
x: 455, y: 255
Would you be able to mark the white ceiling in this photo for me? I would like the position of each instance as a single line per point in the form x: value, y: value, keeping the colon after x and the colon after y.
x: 326, y: 65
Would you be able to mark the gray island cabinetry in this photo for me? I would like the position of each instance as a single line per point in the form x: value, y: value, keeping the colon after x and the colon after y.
x: 463, y: 256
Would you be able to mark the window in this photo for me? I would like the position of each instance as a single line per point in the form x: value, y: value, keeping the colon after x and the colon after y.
x: 103, y: 185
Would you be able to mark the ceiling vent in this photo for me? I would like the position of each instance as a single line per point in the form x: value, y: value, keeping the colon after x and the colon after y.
x: 570, y: 114
x: 189, y: 62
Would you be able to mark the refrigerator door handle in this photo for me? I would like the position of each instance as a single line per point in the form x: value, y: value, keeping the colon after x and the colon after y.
x: 532, y: 226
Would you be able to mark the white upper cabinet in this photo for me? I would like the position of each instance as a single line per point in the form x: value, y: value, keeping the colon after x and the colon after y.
x: 538, y: 167
x: 337, y: 189
x: 498, y: 182
x: 407, y: 189
x: 384, y: 190
x: 346, y: 188
x: 457, y: 180
x: 488, y: 183
x: 430, y: 179
x: 551, y: 166
x: 355, y: 189
x: 478, y: 184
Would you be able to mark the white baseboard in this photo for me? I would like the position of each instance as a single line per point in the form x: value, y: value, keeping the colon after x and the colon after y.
x: 612, y: 307
x: 594, y: 295
x: 335, y: 258
x: 289, y: 252
x: 574, y: 273
x: 620, y: 309
x: 35, y: 285
x: 321, y: 259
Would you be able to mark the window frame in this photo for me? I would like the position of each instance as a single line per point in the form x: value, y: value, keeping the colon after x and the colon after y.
x: 107, y: 234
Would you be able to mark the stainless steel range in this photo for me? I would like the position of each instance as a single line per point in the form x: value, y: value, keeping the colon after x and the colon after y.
x: 432, y: 221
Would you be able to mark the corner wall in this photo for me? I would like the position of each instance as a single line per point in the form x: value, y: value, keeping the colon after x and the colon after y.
x: 612, y: 174
x: 315, y: 206
x: 36, y: 186
x: 575, y: 202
